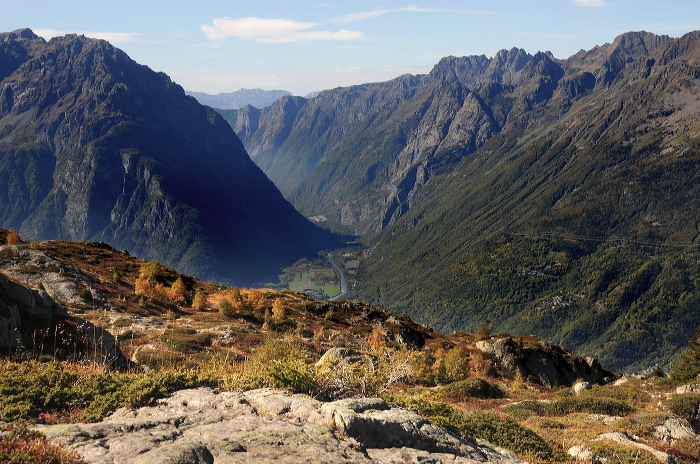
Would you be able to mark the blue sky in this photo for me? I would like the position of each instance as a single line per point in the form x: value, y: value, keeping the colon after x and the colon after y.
x: 220, y: 46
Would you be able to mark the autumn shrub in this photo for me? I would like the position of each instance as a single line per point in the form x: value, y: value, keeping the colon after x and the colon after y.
x: 452, y: 365
x: 20, y: 445
x: 365, y: 374
x: 13, y: 238
x: 472, y: 388
x: 279, y: 310
x: 256, y: 299
x: 199, y: 302
x: 274, y: 363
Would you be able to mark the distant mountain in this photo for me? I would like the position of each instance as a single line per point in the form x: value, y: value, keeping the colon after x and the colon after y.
x: 537, y: 195
x: 232, y: 101
x: 94, y: 146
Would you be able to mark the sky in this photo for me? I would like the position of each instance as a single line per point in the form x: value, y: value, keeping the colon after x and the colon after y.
x: 219, y: 46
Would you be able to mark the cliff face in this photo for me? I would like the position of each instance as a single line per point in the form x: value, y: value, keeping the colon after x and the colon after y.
x: 96, y: 146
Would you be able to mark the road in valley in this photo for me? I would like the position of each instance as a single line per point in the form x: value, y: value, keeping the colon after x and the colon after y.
x: 343, y: 280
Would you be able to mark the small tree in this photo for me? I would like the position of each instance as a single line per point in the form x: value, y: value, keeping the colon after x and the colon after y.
x: 199, y: 302
x: 453, y: 366
x: 376, y: 340
x: 688, y: 366
x: 178, y: 292
x: 482, y: 333
x: 279, y: 311
x: 256, y: 299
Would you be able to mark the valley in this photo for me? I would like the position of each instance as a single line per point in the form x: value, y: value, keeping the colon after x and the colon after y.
x: 496, y: 261
x: 521, y: 191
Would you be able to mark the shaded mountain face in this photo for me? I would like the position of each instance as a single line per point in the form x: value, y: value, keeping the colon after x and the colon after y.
x: 96, y: 146
x: 257, y: 98
x: 556, y: 197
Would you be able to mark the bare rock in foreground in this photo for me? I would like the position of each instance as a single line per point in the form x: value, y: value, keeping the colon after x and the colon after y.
x: 268, y: 426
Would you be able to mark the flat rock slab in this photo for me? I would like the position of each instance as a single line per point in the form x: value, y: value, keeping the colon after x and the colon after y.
x: 267, y: 426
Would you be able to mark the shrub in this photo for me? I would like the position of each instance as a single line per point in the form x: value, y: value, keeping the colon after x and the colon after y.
x: 30, y: 388
x: 20, y: 445
x: 472, y: 388
x: 279, y: 310
x: 275, y: 363
x: 687, y: 406
x: 620, y: 454
x: 13, y: 238
x: 185, y: 340
x: 570, y: 405
x: 482, y: 333
x: 506, y: 433
x: 500, y: 431
x: 199, y: 302
x: 453, y: 366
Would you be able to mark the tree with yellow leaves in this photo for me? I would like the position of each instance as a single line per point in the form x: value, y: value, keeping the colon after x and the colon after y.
x: 279, y: 310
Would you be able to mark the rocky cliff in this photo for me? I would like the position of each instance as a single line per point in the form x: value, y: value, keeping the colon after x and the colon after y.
x: 96, y: 146
x: 257, y: 98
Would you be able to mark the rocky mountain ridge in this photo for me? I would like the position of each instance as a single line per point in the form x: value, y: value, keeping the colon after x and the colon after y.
x: 96, y: 146
x: 257, y: 98
x: 398, y: 134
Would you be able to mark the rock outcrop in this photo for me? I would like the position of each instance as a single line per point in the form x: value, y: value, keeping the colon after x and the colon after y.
x: 31, y: 320
x: 266, y: 426
x: 544, y: 363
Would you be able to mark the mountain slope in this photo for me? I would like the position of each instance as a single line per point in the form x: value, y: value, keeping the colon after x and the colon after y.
x: 556, y: 197
x: 96, y: 146
x: 258, y: 98
x: 583, y: 230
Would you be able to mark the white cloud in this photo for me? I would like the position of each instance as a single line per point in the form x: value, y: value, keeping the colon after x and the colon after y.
x: 593, y: 3
x: 112, y: 37
x: 272, y: 30
x: 365, y: 15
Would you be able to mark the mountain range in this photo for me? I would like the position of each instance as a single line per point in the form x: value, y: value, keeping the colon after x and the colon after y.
x: 533, y: 194
x: 258, y: 98
x: 94, y: 146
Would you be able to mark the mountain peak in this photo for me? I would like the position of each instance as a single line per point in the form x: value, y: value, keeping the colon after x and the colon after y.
x: 24, y: 33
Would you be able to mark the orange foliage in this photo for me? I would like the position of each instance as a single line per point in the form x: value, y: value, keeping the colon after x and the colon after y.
x: 13, y: 238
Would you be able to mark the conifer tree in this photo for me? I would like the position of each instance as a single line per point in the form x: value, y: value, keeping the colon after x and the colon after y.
x: 688, y: 366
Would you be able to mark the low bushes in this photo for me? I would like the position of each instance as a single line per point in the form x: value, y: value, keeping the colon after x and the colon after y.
x: 19, y: 445
x: 570, y: 405
x: 686, y: 406
x: 472, y: 388
x: 500, y: 431
x: 38, y: 391
x: 185, y: 340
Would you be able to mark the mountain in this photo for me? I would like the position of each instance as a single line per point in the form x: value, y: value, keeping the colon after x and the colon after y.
x: 96, y: 146
x: 258, y: 98
x: 536, y: 195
